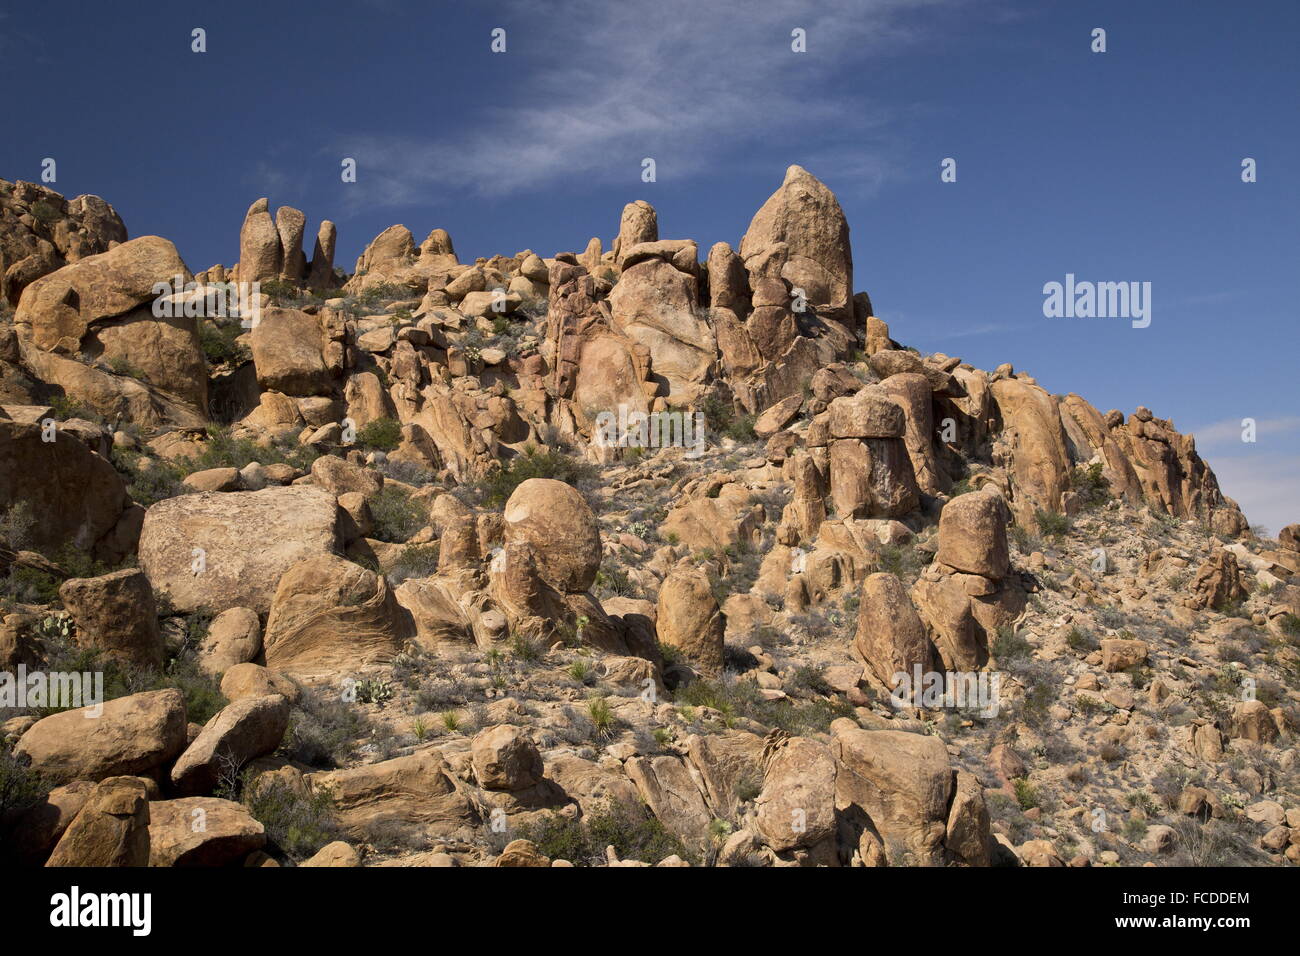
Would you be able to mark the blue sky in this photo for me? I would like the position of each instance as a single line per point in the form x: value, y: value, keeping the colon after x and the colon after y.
x: 1118, y: 166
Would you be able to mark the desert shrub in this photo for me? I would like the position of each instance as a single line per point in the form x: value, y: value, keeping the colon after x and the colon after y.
x: 535, y: 462
x: 1092, y: 487
x: 632, y: 831
x: 66, y: 407
x: 415, y: 561
x: 1081, y: 641
x: 1009, y: 646
x: 298, y: 820
x: 722, y: 418
x: 1051, y: 524
x: 149, y: 484
x: 383, y: 434
x: 21, y: 788
x: 1026, y: 793
x: 322, y: 729
x: 44, y: 211
x: 396, y: 514
x: 217, y: 338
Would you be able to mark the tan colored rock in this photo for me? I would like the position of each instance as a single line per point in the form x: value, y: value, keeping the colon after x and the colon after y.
x: 246, y: 540
x: 321, y: 273
x: 556, y: 521
x: 117, y: 614
x: 112, y: 828
x: 505, y: 758
x: 1252, y: 721
x: 289, y: 353
x: 805, y: 216
x: 131, y: 735
x: 417, y: 791
x: 290, y: 224
x: 522, y: 853
x: 234, y: 637
x: 1118, y: 654
x: 689, y: 619
x: 668, y: 790
x: 57, y: 310
x: 796, y: 807
x: 901, y: 781
x: 337, y: 853
x: 654, y: 304
x: 340, y: 477
x: 870, y: 413
x: 890, y: 635
x: 260, y: 253
x: 639, y: 223
x: 201, y: 831
x: 241, y: 731
x: 973, y: 535
x: 78, y: 496
x: 1218, y: 582
x: 968, y: 836
x: 330, y: 615
x: 253, y: 680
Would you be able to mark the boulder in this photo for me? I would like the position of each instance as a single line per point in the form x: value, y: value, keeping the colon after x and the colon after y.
x: 234, y: 637
x: 973, y: 535
x: 117, y: 614
x: 201, y: 831
x: 688, y: 618
x: 890, y: 634
x: 289, y: 349
x: 796, y: 807
x: 1119, y: 654
x: 337, y: 853
x: 417, y: 791
x: 78, y: 496
x: 197, y: 549
x: 805, y: 217
x: 241, y: 731
x: 330, y: 615
x: 260, y: 253
x: 505, y: 758
x: 112, y: 828
x: 556, y: 521
x: 901, y: 782
x: 129, y: 736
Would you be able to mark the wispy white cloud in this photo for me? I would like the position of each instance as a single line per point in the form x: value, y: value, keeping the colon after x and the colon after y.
x: 695, y: 85
x: 1266, y: 487
x: 1230, y: 431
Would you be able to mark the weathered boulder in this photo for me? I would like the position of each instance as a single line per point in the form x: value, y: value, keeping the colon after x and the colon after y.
x: 112, y: 828
x: 201, y: 831
x: 289, y: 349
x: 330, y: 615
x: 973, y: 535
x: 688, y: 618
x: 234, y: 637
x: 129, y: 735
x: 79, y: 497
x: 1218, y: 582
x: 197, y: 549
x: 901, y: 782
x: 260, y: 253
x: 241, y: 731
x: 890, y: 634
x: 116, y: 613
x: 505, y: 758
x: 796, y: 807
x: 557, y: 522
x: 805, y: 217
x: 417, y: 791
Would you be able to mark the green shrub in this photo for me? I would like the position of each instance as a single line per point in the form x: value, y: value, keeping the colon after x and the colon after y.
x: 1026, y: 793
x: 1009, y: 646
x: 1051, y: 524
x: 217, y: 338
x: 383, y: 434
x: 148, y: 485
x: 1090, y: 485
x: 299, y: 821
x: 496, y: 489
x: 396, y: 514
x: 632, y: 831
x: 323, y: 728
x: 44, y: 211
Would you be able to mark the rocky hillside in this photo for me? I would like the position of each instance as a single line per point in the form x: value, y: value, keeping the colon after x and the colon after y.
x: 365, y: 580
